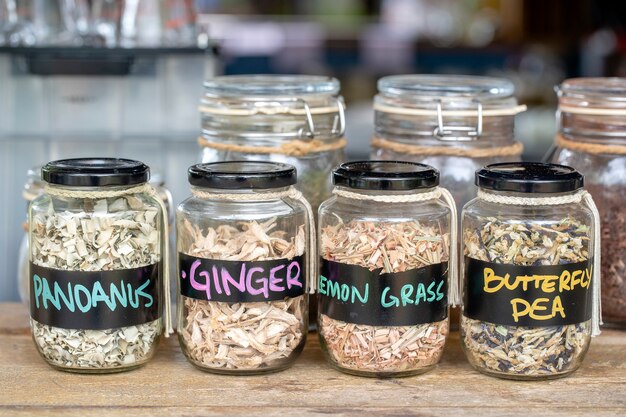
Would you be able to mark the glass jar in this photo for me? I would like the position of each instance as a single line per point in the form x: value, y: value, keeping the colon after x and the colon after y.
x: 158, y: 183
x: 34, y: 187
x: 385, y: 248
x: 455, y: 123
x: 531, y: 280
x: 97, y: 283
x: 592, y: 139
x: 293, y: 119
x: 244, y: 240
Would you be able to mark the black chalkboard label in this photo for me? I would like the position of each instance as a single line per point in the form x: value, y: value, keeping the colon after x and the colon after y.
x: 241, y: 281
x: 535, y: 296
x: 354, y: 294
x: 95, y: 300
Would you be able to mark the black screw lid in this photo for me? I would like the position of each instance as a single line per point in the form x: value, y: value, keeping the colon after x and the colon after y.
x: 529, y: 177
x: 385, y: 175
x: 238, y: 175
x: 95, y: 172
